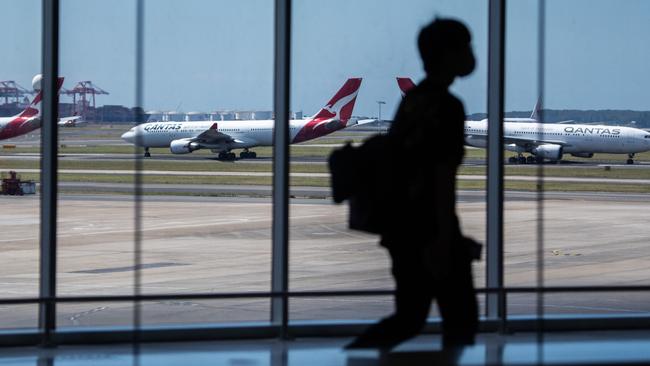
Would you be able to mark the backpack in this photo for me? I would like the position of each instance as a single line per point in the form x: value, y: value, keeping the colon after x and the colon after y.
x: 361, y: 175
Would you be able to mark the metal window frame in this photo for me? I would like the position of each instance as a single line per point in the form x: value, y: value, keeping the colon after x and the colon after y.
x: 496, y: 317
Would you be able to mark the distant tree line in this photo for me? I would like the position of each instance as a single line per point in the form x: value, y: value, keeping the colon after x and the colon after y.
x: 606, y: 116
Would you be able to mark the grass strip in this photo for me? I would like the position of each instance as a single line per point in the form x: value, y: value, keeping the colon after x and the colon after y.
x: 324, y: 182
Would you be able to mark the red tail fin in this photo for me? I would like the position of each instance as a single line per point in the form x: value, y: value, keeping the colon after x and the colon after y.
x: 405, y: 84
x: 341, y: 105
x: 34, y: 108
x: 334, y: 116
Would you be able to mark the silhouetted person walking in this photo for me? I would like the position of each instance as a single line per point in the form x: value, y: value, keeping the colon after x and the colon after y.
x: 430, y: 257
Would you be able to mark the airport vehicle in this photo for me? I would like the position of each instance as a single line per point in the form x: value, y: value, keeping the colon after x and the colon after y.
x: 549, y: 141
x: 29, y: 119
x: 223, y: 136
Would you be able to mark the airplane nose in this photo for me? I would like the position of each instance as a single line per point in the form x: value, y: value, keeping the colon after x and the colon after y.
x: 128, y: 136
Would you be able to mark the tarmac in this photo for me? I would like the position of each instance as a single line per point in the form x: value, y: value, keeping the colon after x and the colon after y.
x: 223, y: 244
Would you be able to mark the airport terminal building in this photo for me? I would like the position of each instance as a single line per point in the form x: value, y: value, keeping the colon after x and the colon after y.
x: 118, y: 258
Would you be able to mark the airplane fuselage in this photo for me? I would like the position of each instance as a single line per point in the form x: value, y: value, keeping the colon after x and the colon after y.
x: 574, y: 138
x: 16, y: 126
x: 245, y: 134
x: 223, y: 136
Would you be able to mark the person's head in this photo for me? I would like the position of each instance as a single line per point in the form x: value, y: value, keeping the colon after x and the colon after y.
x: 445, y: 48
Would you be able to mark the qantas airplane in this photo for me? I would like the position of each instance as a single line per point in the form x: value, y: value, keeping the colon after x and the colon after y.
x: 27, y: 120
x: 549, y: 141
x: 223, y: 136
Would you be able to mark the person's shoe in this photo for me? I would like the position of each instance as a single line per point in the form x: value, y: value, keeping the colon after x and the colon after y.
x: 360, y: 344
x: 368, y: 344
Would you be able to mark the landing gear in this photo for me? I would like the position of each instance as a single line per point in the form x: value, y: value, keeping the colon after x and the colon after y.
x: 247, y: 154
x: 630, y: 161
x: 521, y: 159
x: 227, y: 156
x: 147, y: 154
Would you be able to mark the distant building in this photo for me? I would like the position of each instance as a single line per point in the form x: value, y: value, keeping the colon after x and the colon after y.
x: 114, y: 113
x: 197, y: 116
x: 66, y: 109
x: 262, y: 115
x: 244, y: 115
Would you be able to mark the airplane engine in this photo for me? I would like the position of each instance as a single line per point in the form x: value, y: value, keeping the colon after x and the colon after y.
x: 548, y: 151
x: 515, y: 148
x: 583, y: 155
x: 182, y: 146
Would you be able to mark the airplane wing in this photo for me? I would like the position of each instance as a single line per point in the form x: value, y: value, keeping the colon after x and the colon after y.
x: 356, y: 122
x: 212, y: 137
x: 521, y: 141
x: 31, y: 123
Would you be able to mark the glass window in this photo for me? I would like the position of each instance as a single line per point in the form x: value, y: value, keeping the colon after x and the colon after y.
x: 376, y: 42
x: 19, y: 152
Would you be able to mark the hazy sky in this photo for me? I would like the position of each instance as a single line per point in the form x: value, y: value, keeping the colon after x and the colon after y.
x: 207, y: 54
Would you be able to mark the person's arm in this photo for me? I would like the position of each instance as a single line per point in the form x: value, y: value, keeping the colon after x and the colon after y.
x: 444, y: 185
x: 444, y: 212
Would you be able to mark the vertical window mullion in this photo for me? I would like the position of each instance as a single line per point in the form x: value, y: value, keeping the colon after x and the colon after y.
x: 280, y: 244
x: 496, y: 46
x: 49, y: 149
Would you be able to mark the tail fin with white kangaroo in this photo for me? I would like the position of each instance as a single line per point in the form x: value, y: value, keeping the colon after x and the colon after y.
x: 334, y: 115
x: 341, y: 105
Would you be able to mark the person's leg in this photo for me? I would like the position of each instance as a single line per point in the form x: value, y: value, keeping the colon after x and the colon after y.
x: 458, y: 307
x: 412, y: 303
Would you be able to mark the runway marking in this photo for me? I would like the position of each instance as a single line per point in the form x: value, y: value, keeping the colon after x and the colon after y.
x: 579, y: 307
x: 130, y: 268
x: 75, y: 318
x: 164, y: 225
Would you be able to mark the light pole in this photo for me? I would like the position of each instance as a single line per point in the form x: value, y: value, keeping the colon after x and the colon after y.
x: 379, y: 103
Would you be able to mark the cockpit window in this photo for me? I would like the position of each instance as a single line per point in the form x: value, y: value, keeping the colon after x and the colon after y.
x: 646, y: 137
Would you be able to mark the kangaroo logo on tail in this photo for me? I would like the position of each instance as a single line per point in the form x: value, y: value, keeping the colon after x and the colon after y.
x: 34, y: 108
x: 334, y: 115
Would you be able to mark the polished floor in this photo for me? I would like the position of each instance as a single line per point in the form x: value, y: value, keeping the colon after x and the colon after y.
x: 567, y: 348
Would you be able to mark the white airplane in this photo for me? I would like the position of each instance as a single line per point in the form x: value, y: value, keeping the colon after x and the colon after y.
x: 72, y: 121
x: 551, y: 140
x: 223, y: 136
x: 29, y: 119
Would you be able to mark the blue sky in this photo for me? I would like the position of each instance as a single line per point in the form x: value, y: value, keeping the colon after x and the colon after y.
x: 207, y: 55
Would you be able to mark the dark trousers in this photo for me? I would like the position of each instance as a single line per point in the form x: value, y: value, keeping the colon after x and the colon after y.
x: 416, y: 287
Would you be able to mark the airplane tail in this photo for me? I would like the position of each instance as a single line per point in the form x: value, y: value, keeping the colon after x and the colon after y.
x: 334, y: 116
x: 34, y: 108
x: 535, y: 114
x: 341, y: 105
x: 405, y: 84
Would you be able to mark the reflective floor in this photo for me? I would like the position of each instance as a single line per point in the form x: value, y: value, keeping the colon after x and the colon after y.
x: 568, y: 348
